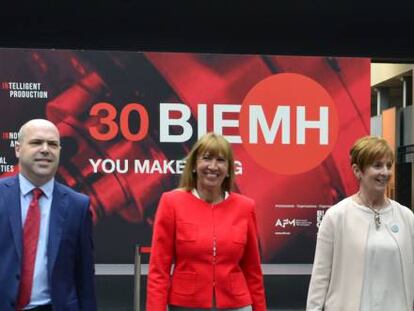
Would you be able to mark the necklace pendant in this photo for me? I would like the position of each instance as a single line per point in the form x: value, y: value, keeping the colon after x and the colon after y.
x: 377, y: 219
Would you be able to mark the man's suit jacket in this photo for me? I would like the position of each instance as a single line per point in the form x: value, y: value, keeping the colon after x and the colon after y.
x: 70, y: 248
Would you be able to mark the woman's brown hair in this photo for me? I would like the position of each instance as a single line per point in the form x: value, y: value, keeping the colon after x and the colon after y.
x: 367, y: 149
x: 214, y: 145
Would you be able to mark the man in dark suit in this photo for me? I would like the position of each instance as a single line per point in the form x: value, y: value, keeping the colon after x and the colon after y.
x: 46, y: 248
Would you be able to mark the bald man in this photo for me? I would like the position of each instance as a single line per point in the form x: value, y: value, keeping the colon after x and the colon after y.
x: 46, y: 248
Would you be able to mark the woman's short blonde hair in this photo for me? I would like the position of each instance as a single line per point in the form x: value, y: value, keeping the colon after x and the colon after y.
x: 214, y: 145
x: 368, y: 149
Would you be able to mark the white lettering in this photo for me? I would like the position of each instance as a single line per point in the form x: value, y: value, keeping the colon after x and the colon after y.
x: 202, y: 119
x: 281, y: 118
x: 238, y: 168
x: 322, y: 125
x: 156, y: 167
x: 180, y: 166
x: 220, y: 123
x: 140, y: 167
x: 166, y: 122
x: 95, y: 164
x: 110, y: 166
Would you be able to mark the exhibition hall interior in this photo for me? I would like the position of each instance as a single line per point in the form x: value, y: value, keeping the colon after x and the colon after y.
x: 158, y: 55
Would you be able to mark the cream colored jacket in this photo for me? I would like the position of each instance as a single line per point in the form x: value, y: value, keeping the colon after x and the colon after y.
x: 338, y: 268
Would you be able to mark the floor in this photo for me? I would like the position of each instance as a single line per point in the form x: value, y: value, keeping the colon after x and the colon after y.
x: 283, y: 293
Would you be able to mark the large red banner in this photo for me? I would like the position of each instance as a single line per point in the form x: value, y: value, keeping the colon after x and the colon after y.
x: 127, y: 120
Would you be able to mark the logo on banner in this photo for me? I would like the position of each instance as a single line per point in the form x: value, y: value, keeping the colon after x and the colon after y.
x: 288, y: 123
x: 319, y: 216
x: 287, y: 222
x: 24, y: 89
x: 284, y: 226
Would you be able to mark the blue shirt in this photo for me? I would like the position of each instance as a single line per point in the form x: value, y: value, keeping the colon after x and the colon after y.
x: 41, y: 288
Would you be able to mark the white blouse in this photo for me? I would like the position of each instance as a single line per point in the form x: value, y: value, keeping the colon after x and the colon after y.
x: 383, y: 284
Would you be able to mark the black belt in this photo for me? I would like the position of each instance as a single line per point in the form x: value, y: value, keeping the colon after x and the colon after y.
x: 42, y: 308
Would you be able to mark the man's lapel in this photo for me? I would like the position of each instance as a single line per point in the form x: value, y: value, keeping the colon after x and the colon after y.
x: 12, y: 201
x: 57, y: 220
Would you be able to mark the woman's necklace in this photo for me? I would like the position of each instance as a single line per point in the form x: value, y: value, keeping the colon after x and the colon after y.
x: 377, y: 215
x: 216, y: 201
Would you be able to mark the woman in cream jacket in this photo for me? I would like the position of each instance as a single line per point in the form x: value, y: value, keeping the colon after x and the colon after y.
x: 364, y: 257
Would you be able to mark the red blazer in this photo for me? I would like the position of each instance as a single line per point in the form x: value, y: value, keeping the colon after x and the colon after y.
x: 184, y: 231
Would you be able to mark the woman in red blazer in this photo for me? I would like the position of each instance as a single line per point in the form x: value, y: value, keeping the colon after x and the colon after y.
x: 209, y: 233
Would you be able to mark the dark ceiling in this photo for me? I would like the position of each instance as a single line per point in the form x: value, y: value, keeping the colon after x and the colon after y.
x: 313, y: 27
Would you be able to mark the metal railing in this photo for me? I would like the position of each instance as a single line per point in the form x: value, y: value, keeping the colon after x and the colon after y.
x: 139, y: 250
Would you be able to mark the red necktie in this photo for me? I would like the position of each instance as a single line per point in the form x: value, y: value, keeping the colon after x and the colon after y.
x: 30, y: 239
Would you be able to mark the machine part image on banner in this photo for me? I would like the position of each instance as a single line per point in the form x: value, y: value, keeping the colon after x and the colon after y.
x: 127, y: 121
